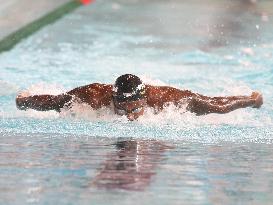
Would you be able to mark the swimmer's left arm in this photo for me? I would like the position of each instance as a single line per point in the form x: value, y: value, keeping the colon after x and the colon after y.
x: 204, y: 105
x: 158, y: 96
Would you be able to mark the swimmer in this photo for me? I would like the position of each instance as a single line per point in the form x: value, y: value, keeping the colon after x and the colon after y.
x: 130, y: 96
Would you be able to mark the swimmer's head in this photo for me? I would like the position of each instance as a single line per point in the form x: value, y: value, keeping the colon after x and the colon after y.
x: 129, y: 96
x: 128, y: 87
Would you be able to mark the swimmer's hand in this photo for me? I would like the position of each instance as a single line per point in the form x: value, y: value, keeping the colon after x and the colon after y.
x: 21, y: 99
x: 25, y: 100
x: 23, y: 94
x: 257, y: 98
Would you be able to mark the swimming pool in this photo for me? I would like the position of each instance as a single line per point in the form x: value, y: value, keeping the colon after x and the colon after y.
x: 94, y: 157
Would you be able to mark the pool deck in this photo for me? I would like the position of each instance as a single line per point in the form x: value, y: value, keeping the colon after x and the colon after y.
x: 15, y: 15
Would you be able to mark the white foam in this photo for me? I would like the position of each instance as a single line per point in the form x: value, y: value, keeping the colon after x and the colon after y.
x: 45, y: 88
x: 85, y: 112
x: 151, y: 81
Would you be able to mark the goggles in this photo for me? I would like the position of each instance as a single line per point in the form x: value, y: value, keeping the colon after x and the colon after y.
x: 137, y: 94
x: 137, y: 110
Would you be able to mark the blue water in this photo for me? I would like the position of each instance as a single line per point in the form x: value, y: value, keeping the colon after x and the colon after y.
x: 84, y: 156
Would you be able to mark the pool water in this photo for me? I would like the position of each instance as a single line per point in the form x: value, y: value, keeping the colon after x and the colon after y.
x: 84, y: 156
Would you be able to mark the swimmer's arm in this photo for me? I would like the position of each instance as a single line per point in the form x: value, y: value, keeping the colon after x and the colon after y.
x: 89, y: 94
x: 202, y: 105
x: 43, y: 102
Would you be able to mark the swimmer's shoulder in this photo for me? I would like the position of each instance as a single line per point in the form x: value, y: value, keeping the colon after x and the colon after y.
x: 95, y: 94
x: 98, y: 88
x: 157, y: 96
x: 167, y: 90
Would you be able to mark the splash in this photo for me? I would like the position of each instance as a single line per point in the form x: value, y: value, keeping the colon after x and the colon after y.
x: 45, y: 88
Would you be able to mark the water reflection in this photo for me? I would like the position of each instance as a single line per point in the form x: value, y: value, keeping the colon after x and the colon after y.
x: 132, y: 166
x: 240, y: 173
x: 61, y: 170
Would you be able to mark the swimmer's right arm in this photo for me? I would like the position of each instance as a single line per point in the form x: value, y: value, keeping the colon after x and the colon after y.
x: 43, y: 102
x: 85, y: 94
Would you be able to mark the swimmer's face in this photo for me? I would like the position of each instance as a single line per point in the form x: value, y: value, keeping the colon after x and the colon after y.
x: 132, y: 109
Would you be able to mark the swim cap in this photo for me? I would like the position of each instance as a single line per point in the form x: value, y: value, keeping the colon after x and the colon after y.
x: 128, y: 87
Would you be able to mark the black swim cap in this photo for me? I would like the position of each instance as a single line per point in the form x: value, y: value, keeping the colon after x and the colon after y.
x: 128, y: 87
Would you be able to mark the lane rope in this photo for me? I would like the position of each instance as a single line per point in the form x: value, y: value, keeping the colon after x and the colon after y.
x: 14, y: 38
x: 86, y: 2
